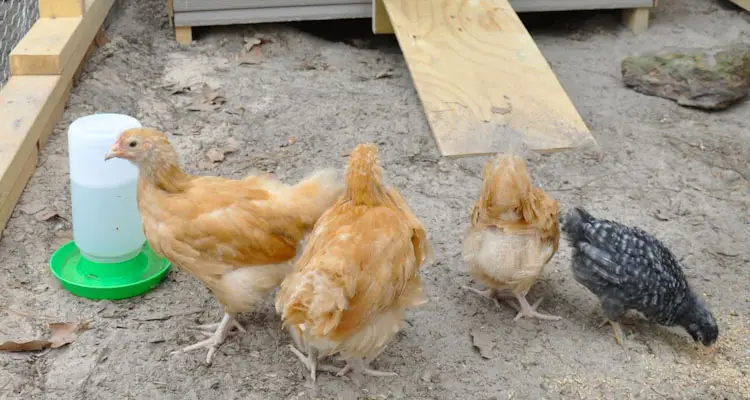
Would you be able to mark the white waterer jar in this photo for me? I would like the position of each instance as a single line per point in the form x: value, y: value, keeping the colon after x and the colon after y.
x: 106, y: 222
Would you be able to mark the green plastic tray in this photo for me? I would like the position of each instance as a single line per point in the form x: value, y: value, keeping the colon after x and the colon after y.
x: 107, y: 281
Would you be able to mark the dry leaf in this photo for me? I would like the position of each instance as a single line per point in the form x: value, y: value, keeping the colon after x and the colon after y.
x: 502, y: 110
x: 211, y: 95
x: 66, y: 332
x: 62, y: 333
x: 205, y: 165
x: 203, y: 107
x: 387, y: 73
x: 482, y: 342
x: 32, y: 207
x: 253, y: 56
x: 181, y: 90
x: 251, y: 42
x: 46, y: 215
x: 100, y: 39
x: 292, y: 140
x: 215, y: 155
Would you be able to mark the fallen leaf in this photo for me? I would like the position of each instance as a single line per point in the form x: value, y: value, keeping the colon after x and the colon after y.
x: 482, y: 342
x: 32, y: 207
x: 502, y: 110
x: 215, y: 155
x: 211, y: 95
x: 203, y: 107
x: 101, y: 40
x: 253, y: 56
x: 180, y: 90
x: 66, y: 332
x: 205, y: 165
x: 251, y: 42
x: 387, y: 73
x: 292, y: 140
x: 62, y: 333
x: 46, y: 215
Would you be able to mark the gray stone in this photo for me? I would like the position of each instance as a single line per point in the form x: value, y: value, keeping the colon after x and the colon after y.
x: 710, y: 79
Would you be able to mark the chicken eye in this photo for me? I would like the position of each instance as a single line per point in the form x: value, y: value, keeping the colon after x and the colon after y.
x: 133, y: 144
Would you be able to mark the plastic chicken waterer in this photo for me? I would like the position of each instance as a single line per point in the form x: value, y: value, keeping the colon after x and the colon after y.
x: 109, y: 257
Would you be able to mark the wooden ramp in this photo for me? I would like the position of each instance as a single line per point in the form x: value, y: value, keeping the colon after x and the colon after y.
x: 482, y: 80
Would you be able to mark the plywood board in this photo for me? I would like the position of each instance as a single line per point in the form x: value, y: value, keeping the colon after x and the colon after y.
x: 482, y: 80
x: 382, y: 25
x: 50, y: 43
x: 742, y: 3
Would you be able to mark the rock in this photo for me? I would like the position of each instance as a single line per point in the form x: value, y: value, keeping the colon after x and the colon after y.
x: 710, y: 79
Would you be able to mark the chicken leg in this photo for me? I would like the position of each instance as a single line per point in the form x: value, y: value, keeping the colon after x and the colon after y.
x: 620, y: 335
x: 216, y: 338
x: 528, y: 310
x: 311, y: 362
x: 488, y: 293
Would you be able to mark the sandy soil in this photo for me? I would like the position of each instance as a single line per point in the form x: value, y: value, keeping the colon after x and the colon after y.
x: 680, y: 173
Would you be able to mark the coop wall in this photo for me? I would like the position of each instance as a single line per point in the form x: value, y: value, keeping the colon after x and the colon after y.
x: 226, y: 12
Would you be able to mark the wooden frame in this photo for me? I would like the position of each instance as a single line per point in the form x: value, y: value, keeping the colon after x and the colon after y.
x: 44, y: 66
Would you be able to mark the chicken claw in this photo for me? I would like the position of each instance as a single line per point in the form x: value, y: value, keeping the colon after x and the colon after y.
x: 488, y: 293
x: 358, y: 365
x: 216, y: 339
x: 311, y: 362
x: 620, y: 335
x: 528, y: 310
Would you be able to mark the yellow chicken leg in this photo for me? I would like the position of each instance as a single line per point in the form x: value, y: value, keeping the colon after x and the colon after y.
x: 216, y: 339
x: 311, y: 362
x: 358, y: 365
x: 488, y: 293
x: 620, y: 336
x: 528, y: 310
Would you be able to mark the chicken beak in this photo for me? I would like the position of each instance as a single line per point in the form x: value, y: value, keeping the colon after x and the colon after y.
x: 114, y: 152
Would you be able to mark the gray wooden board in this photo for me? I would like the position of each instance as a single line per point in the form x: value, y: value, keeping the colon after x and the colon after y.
x: 227, y: 12
x: 206, y: 5
x: 274, y: 14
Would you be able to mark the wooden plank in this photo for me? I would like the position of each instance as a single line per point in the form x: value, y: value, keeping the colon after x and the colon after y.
x: 61, y: 8
x: 30, y: 106
x: 51, y: 42
x: 26, y: 105
x: 203, y: 5
x: 47, y: 47
x: 54, y: 118
x: 570, y: 5
x: 482, y: 80
x: 276, y: 14
x: 13, y: 194
x: 183, y: 35
x: 742, y: 3
x: 381, y: 24
x: 636, y: 19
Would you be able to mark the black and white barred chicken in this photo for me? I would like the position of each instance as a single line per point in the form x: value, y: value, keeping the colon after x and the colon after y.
x: 628, y: 269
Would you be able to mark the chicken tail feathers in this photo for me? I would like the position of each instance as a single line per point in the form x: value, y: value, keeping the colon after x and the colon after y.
x: 315, y: 194
x: 363, y: 176
x: 573, y: 224
x: 313, y: 300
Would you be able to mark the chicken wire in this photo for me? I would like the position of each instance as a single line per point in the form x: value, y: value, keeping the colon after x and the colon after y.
x: 16, y: 18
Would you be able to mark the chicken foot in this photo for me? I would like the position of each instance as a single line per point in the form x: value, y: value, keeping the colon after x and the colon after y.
x: 525, y: 309
x: 620, y: 336
x: 311, y: 362
x: 488, y: 293
x: 364, y: 364
x: 528, y: 310
x: 216, y: 339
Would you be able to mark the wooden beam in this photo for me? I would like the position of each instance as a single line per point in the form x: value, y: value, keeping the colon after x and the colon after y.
x: 50, y: 43
x: 482, y: 80
x: 183, y: 35
x: 26, y: 106
x: 381, y: 23
x: 61, y: 8
x: 30, y: 107
x: 636, y: 19
x: 742, y: 3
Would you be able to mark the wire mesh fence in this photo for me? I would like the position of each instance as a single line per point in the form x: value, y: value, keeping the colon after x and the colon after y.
x: 16, y: 18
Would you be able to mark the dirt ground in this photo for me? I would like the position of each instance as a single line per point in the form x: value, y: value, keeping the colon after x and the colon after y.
x: 679, y: 173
